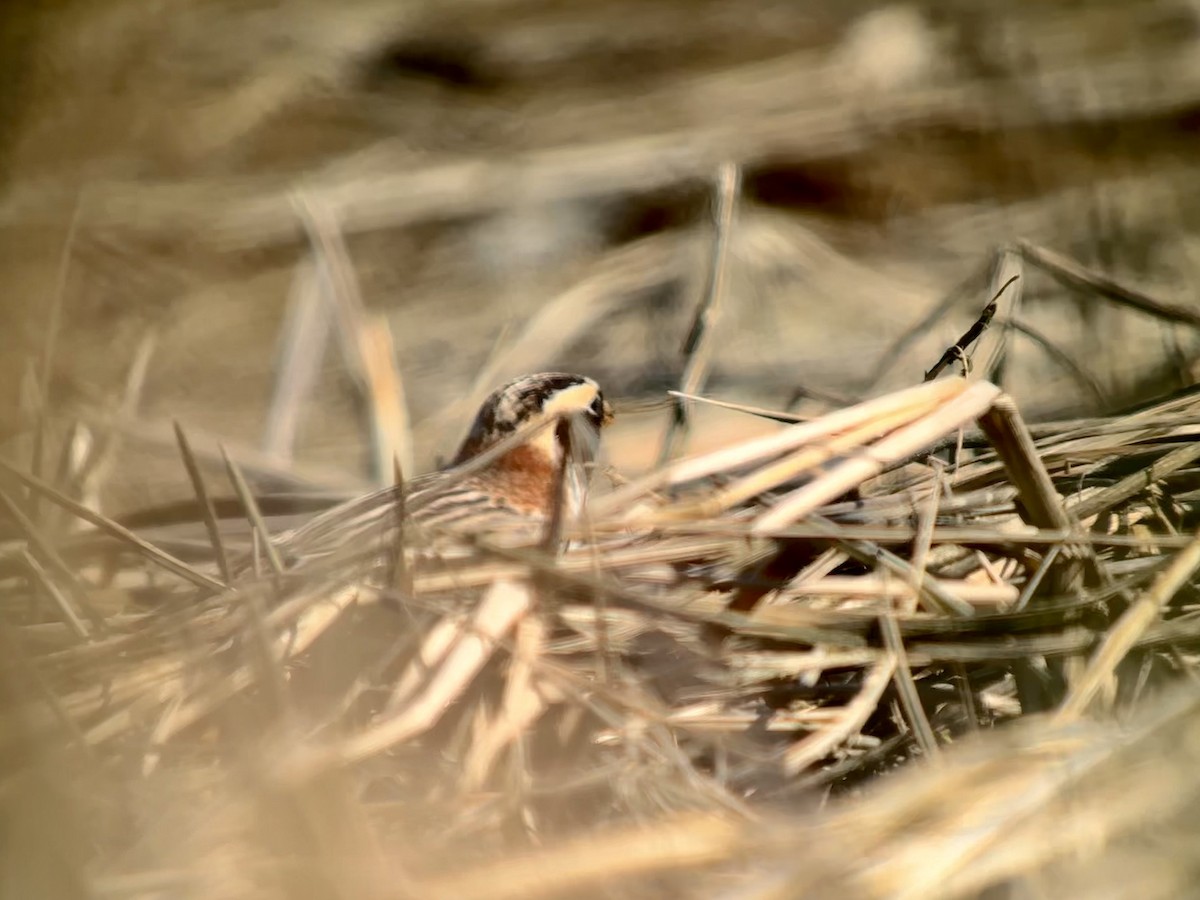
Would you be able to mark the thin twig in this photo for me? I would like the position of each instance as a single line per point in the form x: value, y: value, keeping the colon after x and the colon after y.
x: 1084, y: 378
x: 70, y: 617
x: 253, y: 513
x: 698, y: 347
x: 906, y: 687
x: 53, y: 326
x: 975, y: 282
x: 1071, y: 274
x: 207, y: 512
x: 146, y: 549
x: 958, y: 350
x: 763, y: 413
x: 400, y: 576
x: 850, y: 720
x: 1035, y: 580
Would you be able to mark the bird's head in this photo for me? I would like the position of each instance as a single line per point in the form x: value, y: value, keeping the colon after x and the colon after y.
x: 571, y: 406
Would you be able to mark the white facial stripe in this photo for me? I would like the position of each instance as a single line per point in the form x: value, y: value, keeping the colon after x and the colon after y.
x: 574, y: 399
x: 571, y: 400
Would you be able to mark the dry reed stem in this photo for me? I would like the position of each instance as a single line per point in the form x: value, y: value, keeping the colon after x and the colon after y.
x: 113, y: 529
x: 1073, y: 275
x: 751, y: 667
x: 911, y: 402
x: 678, y: 844
x: 906, y: 688
x: 366, y: 344
x: 436, y: 645
x: 892, y: 590
x: 761, y: 412
x: 314, y: 619
x: 393, y: 443
x: 903, y: 533
x: 526, y: 697
x: 813, y: 748
x: 790, y: 467
x: 304, y: 334
x: 204, y: 501
x: 923, y: 540
x: 1040, y: 503
x: 69, y: 616
x: 698, y: 346
x: 43, y: 549
x: 49, y: 347
x: 971, y: 403
x: 254, y: 515
x: 502, y: 607
x: 1124, y: 633
x: 1103, y: 500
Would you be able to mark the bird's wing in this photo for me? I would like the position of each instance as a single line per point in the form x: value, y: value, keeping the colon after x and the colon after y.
x: 433, y: 508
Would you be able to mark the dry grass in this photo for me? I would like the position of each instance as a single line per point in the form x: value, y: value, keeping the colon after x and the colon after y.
x: 835, y: 635
x: 728, y: 639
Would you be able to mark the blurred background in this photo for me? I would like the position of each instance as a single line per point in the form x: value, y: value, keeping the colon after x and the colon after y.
x: 489, y: 187
x: 529, y: 185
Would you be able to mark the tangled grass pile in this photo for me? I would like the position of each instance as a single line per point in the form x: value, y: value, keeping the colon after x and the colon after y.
x: 846, y: 610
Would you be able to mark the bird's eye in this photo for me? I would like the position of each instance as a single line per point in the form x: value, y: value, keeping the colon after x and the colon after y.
x: 596, y: 410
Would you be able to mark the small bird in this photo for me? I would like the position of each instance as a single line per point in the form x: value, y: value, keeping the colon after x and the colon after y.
x: 523, y: 456
x: 520, y: 468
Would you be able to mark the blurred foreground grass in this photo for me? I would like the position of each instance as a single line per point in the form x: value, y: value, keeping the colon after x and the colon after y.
x: 525, y: 186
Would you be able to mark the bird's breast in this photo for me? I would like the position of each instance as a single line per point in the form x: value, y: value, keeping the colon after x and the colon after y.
x: 524, y: 478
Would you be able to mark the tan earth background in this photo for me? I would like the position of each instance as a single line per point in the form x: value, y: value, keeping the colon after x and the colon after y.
x: 528, y: 185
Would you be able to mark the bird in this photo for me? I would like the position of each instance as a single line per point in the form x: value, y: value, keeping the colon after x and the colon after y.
x: 522, y: 462
x: 333, y: 631
x: 543, y: 425
x: 520, y: 471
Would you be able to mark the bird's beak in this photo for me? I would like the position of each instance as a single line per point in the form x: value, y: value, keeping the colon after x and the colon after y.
x: 607, y: 418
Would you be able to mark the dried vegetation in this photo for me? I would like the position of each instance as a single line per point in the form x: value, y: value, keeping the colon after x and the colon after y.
x: 868, y: 636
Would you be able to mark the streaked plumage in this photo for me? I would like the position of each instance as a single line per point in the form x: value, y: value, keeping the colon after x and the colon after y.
x: 503, y: 477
